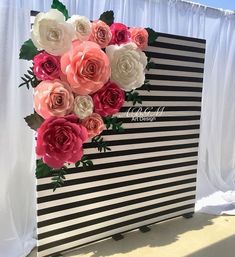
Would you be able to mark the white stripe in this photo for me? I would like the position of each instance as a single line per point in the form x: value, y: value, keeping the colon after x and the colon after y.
x: 158, y: 50
x: 63, y: 247
x: 164, y: 103
x: 175, y: 83
x: 105, y: 214
x: 177, y: 63
x: 170, y: 93
x: 180, y: 42
x: 109, y: 191
x: 175, y: 73
x: 114, y: 201
x: 160, y: 123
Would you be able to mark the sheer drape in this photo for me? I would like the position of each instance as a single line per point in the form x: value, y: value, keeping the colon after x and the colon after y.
x: 216, y: 173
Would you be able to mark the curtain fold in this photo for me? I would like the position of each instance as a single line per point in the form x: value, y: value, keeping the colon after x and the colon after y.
x: 216, y: 169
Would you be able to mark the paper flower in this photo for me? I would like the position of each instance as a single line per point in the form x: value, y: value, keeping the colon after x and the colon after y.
x: 83, y: 106
x: 120, y: 34
x: 100, y: 33
x: 53, y: 98
x: 82, y: 27
x: 60, y: 140
x: 86, y: 67
x: 94, y: 125
x: 50, y: 32
x: 140, y: 37
x: 128, y: 63
x: 109, y: 99
x: 46, y: 66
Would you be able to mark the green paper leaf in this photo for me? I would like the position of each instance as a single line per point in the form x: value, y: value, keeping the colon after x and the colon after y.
x: 56, y: 4
x: 152, y: 35
x: 107, y: 17
x: 150, y: 65
x: 34, y: 121
x: 28, y: 50
x: 42, y: 170
x: 134, y: 97
x: 84, y: 162
x: 29, y: 79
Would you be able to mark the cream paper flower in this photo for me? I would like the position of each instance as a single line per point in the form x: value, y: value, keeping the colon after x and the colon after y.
x: 82, y: 27
x: 83, y: 106
x: 51, y: 33
x: 128, y: 64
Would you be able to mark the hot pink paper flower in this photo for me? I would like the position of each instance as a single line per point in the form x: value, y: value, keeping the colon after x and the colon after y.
x: 46, y: 66
x: 100, y: 33
x: 86, y: 67
x: 120, y: 34
x: 109, y: 99
x: 60, y: 140
x: 94, y: 125
x: 53, y: 98
x: 140, y: 37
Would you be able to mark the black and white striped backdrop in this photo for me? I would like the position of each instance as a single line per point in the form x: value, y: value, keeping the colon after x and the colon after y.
x: 150, y: 174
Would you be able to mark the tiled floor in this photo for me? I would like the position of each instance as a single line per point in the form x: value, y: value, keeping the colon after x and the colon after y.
x: 202, y: 236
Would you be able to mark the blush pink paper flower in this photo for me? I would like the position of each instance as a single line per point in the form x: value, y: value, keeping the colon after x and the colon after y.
x: 120, y: 34
x: 60, y: 140
x: 46, y: 66
x: 109, y: 99
x: 53, y: 98
x: 94, y: 125
x: 86, y: 66
x: 100, y: 33
x: 140, y: 37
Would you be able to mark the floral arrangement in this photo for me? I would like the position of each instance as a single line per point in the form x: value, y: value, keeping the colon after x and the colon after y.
x: 82, y: 74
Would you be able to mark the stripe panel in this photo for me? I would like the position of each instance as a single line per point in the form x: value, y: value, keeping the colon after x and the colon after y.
x: 150, y: 174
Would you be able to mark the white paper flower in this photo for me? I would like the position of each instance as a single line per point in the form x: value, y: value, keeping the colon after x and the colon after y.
x: 82, y: 27
x: 83, y: 106
x: 128, y: 63
x: 51, y: 33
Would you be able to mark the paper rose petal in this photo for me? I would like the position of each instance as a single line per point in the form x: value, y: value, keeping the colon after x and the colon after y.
x: 83, y: 106
x: 140, y: 37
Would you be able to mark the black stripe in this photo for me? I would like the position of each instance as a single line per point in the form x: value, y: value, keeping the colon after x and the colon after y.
x: 159, y: 119
x: 175, y: 57
x: 116, y: 215
x: 144, y: 140
x: 172, y: 78
x: 178, y: 68
x: 111, y: 207
x: 112, y: 227
x: 113, y: 185
x: 168, y: 109
x: 191, y: 39
x: 34, y: 13
x: 170, y: 98
x: 170, y: 88
x: 177, y: 47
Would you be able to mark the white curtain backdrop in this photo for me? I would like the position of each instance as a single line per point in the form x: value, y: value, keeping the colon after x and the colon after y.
x: 216, y: 170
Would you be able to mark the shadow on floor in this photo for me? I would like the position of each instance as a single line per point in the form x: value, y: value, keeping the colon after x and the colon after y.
x: 222, y: 248
x: 161, y: 234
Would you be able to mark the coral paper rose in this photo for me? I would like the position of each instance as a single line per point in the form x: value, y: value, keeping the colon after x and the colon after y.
x: 82, y: 27
x: 46, y: 66
x: 109, y: 99
x: 100, y: 33
x: 60, y: 140
x: 50, y: 32
x: 94, y: 125
x: 53, y: 98
x: 83, y: 106
x: 86, y: 67
x: 140, y: 37
x: 120, y: 34
x: 128, y: 64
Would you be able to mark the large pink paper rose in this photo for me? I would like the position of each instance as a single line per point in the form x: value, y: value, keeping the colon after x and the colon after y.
x: 140, y: 37
x: 94, y: 124
x: 109, y: 99
x: 53, y: 98
x: 60, y: 140
x: 100, y: 33
x: 46, y: 66
x: 86, y: 67
x: 120, y: 34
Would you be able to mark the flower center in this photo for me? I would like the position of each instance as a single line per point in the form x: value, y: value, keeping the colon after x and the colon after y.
x: 53, y: 35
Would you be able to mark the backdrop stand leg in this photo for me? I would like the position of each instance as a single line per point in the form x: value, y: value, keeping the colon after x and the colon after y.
x: 117, y: 237
x: 188, y: 215
x: 144, y: 229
